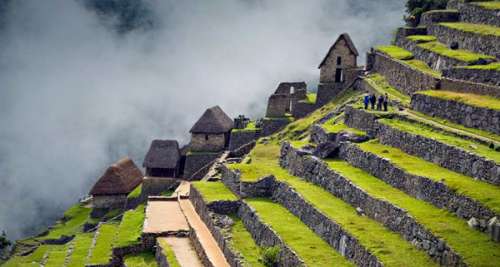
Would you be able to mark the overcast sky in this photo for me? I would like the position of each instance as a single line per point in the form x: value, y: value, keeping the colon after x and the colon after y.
x: 75, y: 95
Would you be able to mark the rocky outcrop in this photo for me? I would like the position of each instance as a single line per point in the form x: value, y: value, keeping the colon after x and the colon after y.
x: 458, y: 112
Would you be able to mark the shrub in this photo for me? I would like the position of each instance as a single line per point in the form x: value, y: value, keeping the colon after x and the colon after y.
x: 270, y: 256
x: 415, y: 8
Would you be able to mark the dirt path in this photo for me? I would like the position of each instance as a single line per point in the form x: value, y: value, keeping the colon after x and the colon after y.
x: 164, y: 216
x: 184, y: 251
x: 204, y: 236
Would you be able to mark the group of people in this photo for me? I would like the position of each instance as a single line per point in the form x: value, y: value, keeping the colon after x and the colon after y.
x: 381, y: 101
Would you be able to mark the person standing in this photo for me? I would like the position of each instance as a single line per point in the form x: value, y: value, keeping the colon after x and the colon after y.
x: 379, y: 102
x: 366, y: 100
x: 386, y: 101
x: 373, y: 99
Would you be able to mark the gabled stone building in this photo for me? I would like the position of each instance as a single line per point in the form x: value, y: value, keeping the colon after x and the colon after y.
x: 112, y: 188
x: 162, y: 159
x: 211, y: 132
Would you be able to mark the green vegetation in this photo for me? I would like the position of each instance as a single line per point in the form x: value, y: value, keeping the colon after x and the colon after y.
x: 421, y: 38
x: 429, y: 132
x: 423, y: 67
x: 492, y: 66
x: 442, y: 223
x: 415, y: 8
x: 101, y: 252
x: 487, y: 194
x: 136, y: 193
x: 382, y: 86
x: 56, y: 256
x: 251, y: 127
x: 480, y: 101
x: 243, y: 242
x: 493, y: 5
x: 458, y: 54
x: 308, y: 246
x: 72, y: 222
x: 81, y: 244
x: 270, y: 256
x: 169, y: 253
x: 145, y: 259
x: 395, y: 52
x: 310, y: 98
x: 482, y: 29
x: 214, y: 191
x: 329, y: 127
x: 130, y: 228
x: 33, y: 259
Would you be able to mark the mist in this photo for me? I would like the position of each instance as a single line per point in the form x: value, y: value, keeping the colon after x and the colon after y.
x: 77, y: 95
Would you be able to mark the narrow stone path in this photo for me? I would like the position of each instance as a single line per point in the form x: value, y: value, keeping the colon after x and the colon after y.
x: 164, y: 216
x: 183, y: 189
x: 213, y: 169
x: 183, y: 250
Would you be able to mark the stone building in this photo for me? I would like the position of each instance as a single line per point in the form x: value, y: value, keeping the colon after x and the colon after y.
x: 162, y: 159
x: 112, y: 188
x: 338, y: 69
x: 211, y: 132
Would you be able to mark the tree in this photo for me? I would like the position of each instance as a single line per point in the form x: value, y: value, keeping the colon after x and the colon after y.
x: 415, y: 8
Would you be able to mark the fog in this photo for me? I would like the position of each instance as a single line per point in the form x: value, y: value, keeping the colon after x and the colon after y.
x: 77, y: 95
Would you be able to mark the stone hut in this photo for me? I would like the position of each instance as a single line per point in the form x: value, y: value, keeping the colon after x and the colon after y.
x: 112, y: 188
x: 162, y: 159
x: 211, y: 132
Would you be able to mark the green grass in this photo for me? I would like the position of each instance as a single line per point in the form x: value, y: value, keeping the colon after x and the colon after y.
x: 310, y: 98
x: 329, y: 127
x: 423, y: 67
x: 136, y: 193
x: 101, y: 253
x: 443, y: 224
x: 421, y: 38
x: 130, y: 229
x: 251, y: 127
x: 169, y: 253
x: 382, y: 86
x: 458, y: 54
x: 74, y: 219
x: 243, y: 242
x: 308, y: 246
x: 81, y: 245
x: 388, y: 246
x: 482, y: 29
x: 33, y: 259
x: 487, y: 194
x: 144, y: 259
x: 480, y: 101
x: 429, y: 132
x: 56, y: 256
x: 493, y: 5
x: 492, y: 66
x: 395, y: 52
x: 214, y: 191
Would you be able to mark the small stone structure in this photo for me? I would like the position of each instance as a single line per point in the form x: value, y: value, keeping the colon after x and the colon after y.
x: 241, y: 122
x: 111, y: 190
x: 211, y: 132
x: 162, y: 159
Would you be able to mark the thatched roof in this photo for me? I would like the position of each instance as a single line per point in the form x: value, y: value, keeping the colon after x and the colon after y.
x: 214, y: 120
x: 350, y: 45
x: 162, y: 154
x: 120, y: 178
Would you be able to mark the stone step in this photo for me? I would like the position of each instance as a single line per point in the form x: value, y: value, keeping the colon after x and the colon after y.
x: 480, y: 13
x: 474, y: 111
x: 440, y: 233
x: 480, y: 38
x: 427, y: 181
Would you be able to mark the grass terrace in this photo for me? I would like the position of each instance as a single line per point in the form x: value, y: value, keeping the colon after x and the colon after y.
x: 421, y: 38
x: 101, y: 252
x: 388, y: 246
x: 493, y: 5
x: 458, y: 54
x: 33, y: 259
x: 56, y: 255
x: 480, y: 101
x: 251, y: 127
x: 395, y: 52
x: 487, y: 194
x: 308, y: 246
x: 330, y: 127
x: 214, y: 191
x: 423, y: 67
x: 81, y: 245
x: 169, y: 253
x: 243, y: 242
x: 74, y: 219
x: 482, y: 29
x: 310, y: 98
x: 382, y: 86
x: 130, y: 229
x: 145, y: 259
x: 492, y: 66
x: 136, y: 193
x: 443, y: 224
x: 429, y: 132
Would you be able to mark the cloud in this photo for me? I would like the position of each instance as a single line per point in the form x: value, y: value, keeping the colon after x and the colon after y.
x: 76, y: 95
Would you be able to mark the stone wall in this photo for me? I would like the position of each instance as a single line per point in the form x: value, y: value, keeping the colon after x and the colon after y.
x: 319, y: 135
x: 360, y: 119
x: 491, y: 77
x: 272, y: 125
x: 420, y: 187
x: 486, y: 44
x: 207, y: 142
x: 470, y: 116
x: 449, y: 157
x: 391, y: 216
x: 470, y: 87
x: 403, y: 77
x: 278, y: 105
x: 329, y: 67
x: 196, y: 161
x: 153, y: 186
x: 436, y: 16
x: 403, y: 32
x: 328, y: 91
x: 161, y: 258
x: 301, y: 109
x: 241, y: 138
x: 264, y: 236
x: 109, y: 201
x: 261, y: 188
x: 285, y: 87
x: 477, y: 15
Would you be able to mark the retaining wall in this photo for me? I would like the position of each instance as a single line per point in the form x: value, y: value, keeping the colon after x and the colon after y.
x: 436, y: 16
x: 491, y: 77
x: 242, y: 137
x: 473, y: 14
x: 197, y: 161
x: 470, y: 87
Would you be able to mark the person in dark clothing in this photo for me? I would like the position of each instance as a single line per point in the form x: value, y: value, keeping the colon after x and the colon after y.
x: 386, y: 101
x: 366, y: 100
x: 379, y: 102
x: 373, y: 99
